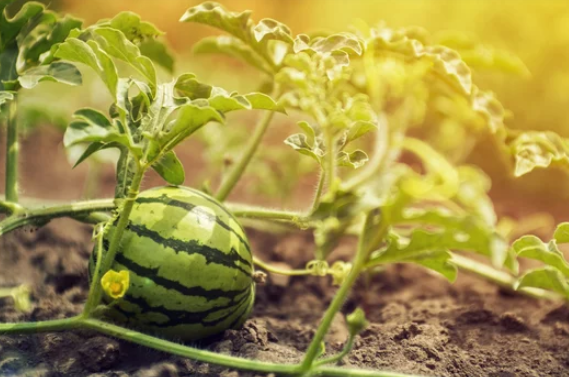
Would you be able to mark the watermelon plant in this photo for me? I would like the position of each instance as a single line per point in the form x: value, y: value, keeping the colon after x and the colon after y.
x: 174, y: 264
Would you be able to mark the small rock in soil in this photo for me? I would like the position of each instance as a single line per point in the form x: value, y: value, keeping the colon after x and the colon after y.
x: 513, y: 322
x: 99, y: 353
x: 160, y: 370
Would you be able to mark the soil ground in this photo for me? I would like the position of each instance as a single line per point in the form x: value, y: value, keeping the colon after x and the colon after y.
x: 419, y: 323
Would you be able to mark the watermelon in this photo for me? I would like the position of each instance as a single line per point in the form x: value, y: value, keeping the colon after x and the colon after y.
x: 190, y: 266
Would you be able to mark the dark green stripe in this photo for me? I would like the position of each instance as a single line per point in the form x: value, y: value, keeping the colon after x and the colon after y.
x: 184, y: 317
x: 239, y: 316
x: 164, y: 199
x: 211, y: 254
x: 152, y: 274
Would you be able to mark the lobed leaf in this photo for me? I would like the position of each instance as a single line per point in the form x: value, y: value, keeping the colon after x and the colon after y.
x: 548, y: 253
x: 90, y: 54
x: 546, y: 278
x: 423, y: 248
x: 115, y: 43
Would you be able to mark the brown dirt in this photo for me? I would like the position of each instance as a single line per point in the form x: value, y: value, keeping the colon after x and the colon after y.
x: 419, y: 323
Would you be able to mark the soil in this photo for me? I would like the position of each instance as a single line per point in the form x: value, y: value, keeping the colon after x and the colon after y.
x: 419, y: 323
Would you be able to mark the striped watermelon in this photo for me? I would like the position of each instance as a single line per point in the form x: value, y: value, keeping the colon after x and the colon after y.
x: 190, y: 266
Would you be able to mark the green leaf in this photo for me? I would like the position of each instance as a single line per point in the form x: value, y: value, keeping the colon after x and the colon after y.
x: 354, y: 160
x: 231, y: 46
x: 546, y: 278
x: 158, y: 53
x: 170, y: 168
x: 92, y: 148
x: 10, y: 28
x: 133, y: 27
x: 187, y: 85
x: 345, y: 42
x: 92, y: 126
x: 423, y: 248
x: 548, y: 253
x: 115, y: 43
x: 539, y: 150
x: 360, y: 128
x: 561, y: 234
x: 299, y: 143
x: 6, y: 96
x: 90, y: 54
x: 57, y: 71
x: 214, y: 14
x: 261, y: 101
x: 269, y: 39
x: 189, y: 119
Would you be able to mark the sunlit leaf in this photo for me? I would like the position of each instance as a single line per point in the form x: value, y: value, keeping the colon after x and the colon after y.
x: 421, y: 247
x: 170, y: 168
x: 57, y: 71
x: 231, y: 46
x: 158, y: 53
x: 534, y: 149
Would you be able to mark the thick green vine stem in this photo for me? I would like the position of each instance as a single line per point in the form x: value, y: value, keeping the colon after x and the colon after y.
x: 340, y: 297
x: 40, y: 216
x: 237, y: 171
x: 80, y: 322
x: 12, y: 150
x: 125, y: 209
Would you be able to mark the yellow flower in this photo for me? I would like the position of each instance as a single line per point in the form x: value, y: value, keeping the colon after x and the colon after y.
x: 115, y: 284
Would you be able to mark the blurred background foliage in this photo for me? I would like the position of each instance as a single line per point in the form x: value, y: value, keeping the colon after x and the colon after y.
x: 519, y: 49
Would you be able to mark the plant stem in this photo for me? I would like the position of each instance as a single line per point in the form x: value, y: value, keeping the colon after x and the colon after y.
x: 43, y: 215
x: 340, y: 355
x: 250, y: 212
x: 123, y: 220
x: 330, y: 171
x: 501, y: 278
x: 237, y: 171
x: 79, y: 322
x: 39, y: 326
x: 12, y: 150
x: 279, y: 271
x: 91, y: 303
x: 339, y: 298
x: 196, y: 354
x: 318, y: 193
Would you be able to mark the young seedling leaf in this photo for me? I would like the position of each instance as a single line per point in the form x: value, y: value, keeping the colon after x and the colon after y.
x: 92, y: 126
x: 57, y: 71
x: 262, y: 101
x: 170, y: 168
x: 158, y: 53
x: 548, y: 253
x: 354, y: 160
x: 90, y: 54
x: 299, y: 142
x: 359, y: 128
x: 561, y: 234
x: 546, y: 278
x: 11, y: 27
x: 214, y: 14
